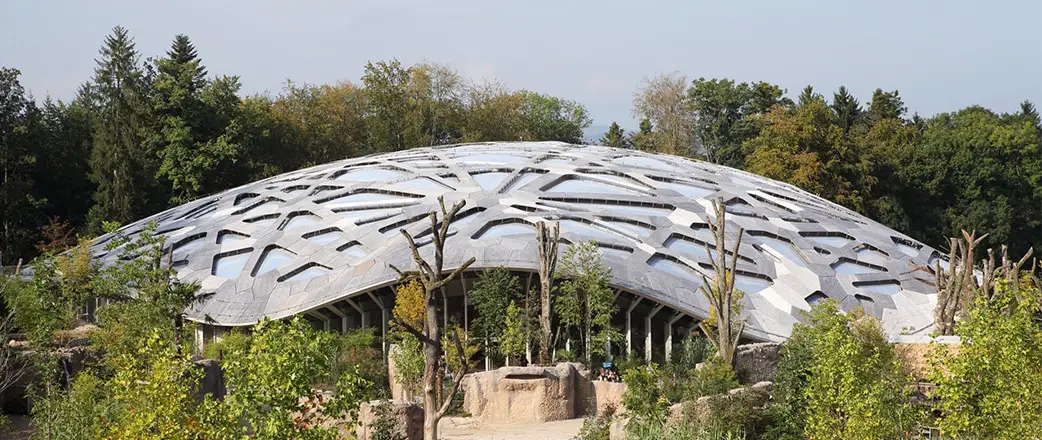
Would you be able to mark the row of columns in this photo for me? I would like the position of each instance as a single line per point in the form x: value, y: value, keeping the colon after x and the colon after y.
x: 385, y: 319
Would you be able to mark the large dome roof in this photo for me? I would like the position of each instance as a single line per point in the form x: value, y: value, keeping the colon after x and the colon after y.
x: 303, y: 240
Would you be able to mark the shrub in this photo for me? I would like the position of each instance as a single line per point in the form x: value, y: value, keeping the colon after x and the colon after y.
x: 692, y: 351
x: 72, y: 415
x: 839, y: 378
x: 597, y: 427
x: 565, y: 356
x: 643, y: 398
x: 992, y: 386
x: 359, y: 348
x: 715, y: 377
x: 234, y: 340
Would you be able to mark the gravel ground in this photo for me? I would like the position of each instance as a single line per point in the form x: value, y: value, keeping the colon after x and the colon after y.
x: 452, y: 428
x: 465, y: 428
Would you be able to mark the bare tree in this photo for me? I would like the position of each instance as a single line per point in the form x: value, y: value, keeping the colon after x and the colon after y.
x: 957, y: 284
x: 724, y: 326
x: 12, y: 365
x: 432, y: 280
x: 1009, y: 270
x: 663, y: 101
x: 548, y: 240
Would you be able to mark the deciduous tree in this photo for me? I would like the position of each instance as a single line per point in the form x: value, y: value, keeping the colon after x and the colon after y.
x: 662, y: 101
x: 432, y: 280
x: 586, y: 302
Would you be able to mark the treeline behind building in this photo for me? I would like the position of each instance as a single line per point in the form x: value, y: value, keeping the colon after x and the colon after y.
x: 146, y: 134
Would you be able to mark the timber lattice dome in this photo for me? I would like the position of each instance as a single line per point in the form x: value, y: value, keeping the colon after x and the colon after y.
x: 306, y: 239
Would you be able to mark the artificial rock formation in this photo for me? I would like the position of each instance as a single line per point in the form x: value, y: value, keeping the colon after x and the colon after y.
x: 756, y: 362
x: 606, y: 394
x: 699, y: 411
x: 405, y: 420
x: 524, y: 394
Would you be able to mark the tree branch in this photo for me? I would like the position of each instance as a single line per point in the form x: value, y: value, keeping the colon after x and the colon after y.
x: 452, y: 275
x: 419, y: 335
x: 457, y: 378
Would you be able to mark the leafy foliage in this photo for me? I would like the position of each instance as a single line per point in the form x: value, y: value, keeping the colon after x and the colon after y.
x: 272, y: 380
x: 586, y: 302
x: 515, y: 337
x: 643, y: 398
x: 76, y: 414
x: 838, y: 377
x: 493, y: 292
x: 991, y: 386
x: 409, y: 305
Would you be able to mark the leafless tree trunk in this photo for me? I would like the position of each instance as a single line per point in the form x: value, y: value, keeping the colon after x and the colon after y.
x: 957, y: 285
x: 548, y: 239
x: 12, y: 365
x: 724, y: 326
x: 432, y: 280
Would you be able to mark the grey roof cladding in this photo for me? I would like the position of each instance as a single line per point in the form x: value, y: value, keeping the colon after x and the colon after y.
x: 334, y: 230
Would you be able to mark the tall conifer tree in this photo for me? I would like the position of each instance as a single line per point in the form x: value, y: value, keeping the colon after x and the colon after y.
x: 120, y: 167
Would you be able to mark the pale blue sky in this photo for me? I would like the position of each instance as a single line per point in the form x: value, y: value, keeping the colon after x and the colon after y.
x: 941, y: 55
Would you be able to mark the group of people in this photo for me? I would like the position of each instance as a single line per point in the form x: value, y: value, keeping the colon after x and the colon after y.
x: 608, y: 372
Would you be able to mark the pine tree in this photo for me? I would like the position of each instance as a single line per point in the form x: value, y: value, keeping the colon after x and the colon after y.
x: 68, y: 132
x: 807, y: 96
x: 122, y: 169
x: 885, y: 105
x: 847, y: 108
x: 615, y: 137
x: 644, y: 139
x: 192, y: 115
x: 19, y: 143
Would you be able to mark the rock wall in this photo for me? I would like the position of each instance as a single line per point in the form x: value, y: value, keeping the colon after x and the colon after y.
x: 756, y: 362
x: 524, y: 394
x: 212, y: 381
x: 604, y: 394
x: 406, y: 420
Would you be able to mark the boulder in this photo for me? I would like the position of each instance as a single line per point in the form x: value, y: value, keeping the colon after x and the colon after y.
x: 699, y: 410
x: 405, y: 420
x: 524, y: 394
x: 212, y: 381
x: 617, y: 429
x: 756, y: 362
x: 607, y: 394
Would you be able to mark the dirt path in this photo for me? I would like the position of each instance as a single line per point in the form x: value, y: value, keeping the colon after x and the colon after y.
x: 465, y: 428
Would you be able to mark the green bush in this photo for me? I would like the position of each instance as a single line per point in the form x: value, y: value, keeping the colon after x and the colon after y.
x: 565, y: 356
x: 715, y: 377
x: 643, y: 399
x: 360, y: 348
x: 839, y: 378
x: 72, y: 415
x: 234, y: 340
x: 991, y: 387
x: 692, y: 351
x: 630, y: 361
x: 597, y: 427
